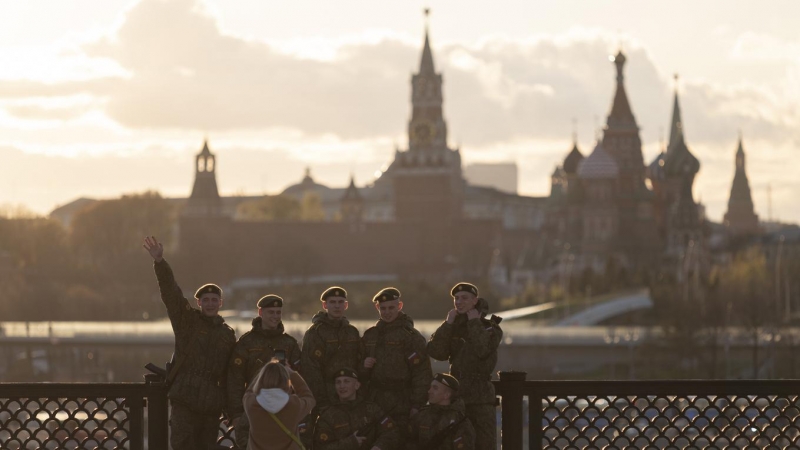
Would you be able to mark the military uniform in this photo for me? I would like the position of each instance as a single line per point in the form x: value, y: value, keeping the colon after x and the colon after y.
x: 401, y: 376
x: 328, y: 346
x: 471, y: 348
x: 443, y: 423
x: 202, y: 348
x: 338, y: 424
x: 254, y: 349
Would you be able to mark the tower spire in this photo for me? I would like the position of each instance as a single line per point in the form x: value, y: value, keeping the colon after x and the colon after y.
x: 676, y: 126
x: 426, y: 63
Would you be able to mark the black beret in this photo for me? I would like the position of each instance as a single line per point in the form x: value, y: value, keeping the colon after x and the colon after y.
x: 333, y: 291
x: 209, y: 288
x: 386, y: 295
x: 268, y: 301
x: 464, y: 287
x: 447, y: 380
x: 345, y: 372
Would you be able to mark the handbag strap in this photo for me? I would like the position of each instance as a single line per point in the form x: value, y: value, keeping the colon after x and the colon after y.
x: 286, y: 430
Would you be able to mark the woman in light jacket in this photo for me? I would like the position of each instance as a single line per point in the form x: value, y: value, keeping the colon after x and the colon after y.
x: 269, y: 402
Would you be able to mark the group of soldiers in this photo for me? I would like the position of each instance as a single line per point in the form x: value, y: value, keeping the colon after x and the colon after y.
x: 375, y: 391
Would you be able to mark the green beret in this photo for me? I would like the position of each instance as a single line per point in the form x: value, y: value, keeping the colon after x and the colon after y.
x: 333, y: 291
x: 268, y: 301
x: 447, y: 380
x: 209, y: 288
x: 386, y: 295
x: 464, y: 287
x: 345, y: 372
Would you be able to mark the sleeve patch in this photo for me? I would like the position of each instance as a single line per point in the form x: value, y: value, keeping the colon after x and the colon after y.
x: 414, y: 358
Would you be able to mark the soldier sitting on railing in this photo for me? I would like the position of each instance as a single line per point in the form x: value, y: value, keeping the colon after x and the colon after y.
x: 203, y: 344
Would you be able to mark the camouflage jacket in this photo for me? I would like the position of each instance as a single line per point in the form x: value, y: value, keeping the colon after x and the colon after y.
x: 401, y: 376
x: 328, y: 346
x: 431, y: 423
x: 471, y: 348
x: 337, y: 424
x: 205, y: 343
x: 254, y: 349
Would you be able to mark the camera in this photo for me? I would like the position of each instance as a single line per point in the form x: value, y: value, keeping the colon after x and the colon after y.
x: 280, y: 355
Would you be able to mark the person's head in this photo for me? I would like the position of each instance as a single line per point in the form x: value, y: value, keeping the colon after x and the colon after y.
x: 443, y: 389
x: 465, y: 297
x: 388, y: 304
x: 209, y: 299
x: 272, y: 376
x: 270, y: 308
x: 334, y: 301
x: 346, y: 384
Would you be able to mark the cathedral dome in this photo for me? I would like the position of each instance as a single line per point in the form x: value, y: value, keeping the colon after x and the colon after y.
x: 598, y: 165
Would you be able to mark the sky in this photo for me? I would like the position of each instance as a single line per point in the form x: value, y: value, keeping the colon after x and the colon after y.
x: 104, y: 97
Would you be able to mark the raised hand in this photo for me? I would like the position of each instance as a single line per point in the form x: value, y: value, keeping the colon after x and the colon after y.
x: 154, y: 247
x: 473, y: 314
x: 369, y: 363
x: 451, y: 315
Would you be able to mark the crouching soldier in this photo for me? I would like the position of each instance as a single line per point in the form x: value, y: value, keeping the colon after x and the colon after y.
x: 203, y: 344
x: 266, y: 340
x: 443, y: 424
x: 396, y: 365
x: 353, y: 423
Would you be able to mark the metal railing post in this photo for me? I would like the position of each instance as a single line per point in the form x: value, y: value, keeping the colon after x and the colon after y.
x: 511, y: 391
x: 157, y: 414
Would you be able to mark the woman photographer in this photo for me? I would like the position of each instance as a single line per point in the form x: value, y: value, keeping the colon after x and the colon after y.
x: 275, y: 402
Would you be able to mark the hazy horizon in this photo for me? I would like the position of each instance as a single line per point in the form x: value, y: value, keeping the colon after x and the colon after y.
x: 109, y: 97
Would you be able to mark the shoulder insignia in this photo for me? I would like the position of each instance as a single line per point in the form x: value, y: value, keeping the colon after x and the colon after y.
x: 323, y: 437
x: 238, y: 361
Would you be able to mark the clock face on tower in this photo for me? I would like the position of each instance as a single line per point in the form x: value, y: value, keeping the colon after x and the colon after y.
x: 422, y: 132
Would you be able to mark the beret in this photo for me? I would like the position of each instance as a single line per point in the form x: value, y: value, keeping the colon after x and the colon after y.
x: 345, y: 372
x: 447, y: 380
x: 333, y: 291
x: 209, y: 288
x: 386, y: 295
x: 269, y: 301
x: 464, y: 287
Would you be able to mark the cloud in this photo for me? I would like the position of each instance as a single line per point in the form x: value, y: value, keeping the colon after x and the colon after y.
x: 185, y: 73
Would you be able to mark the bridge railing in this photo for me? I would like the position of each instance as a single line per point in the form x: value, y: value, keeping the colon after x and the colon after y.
x: 648, y: 414
x: 535, y: 414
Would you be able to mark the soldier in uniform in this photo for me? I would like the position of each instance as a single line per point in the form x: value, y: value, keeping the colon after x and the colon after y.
x: 254, y: 349
x: 469, y: 341
x: 443, y: 424
x: 329, y: 345
x: 353, y: 423
x: 396, y: 365
x: 203, y: 345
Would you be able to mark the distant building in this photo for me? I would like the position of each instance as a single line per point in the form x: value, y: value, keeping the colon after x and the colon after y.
x: 501, y: 176
x: 741, y: 219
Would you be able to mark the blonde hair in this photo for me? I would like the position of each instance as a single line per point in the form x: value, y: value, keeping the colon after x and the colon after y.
x: 272, y: 375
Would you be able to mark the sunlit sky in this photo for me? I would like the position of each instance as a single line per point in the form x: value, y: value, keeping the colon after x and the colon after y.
x: 103, y: 97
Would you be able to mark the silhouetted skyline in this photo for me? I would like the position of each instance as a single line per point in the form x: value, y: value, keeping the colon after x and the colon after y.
x: 114, y: 97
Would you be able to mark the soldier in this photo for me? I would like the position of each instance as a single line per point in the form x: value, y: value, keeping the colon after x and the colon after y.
x: 255, y: 348
x: 329, y: 344
x: 469, y: 341
x: 396, y: 365
x: 203, y: 345
x: 352, y: 423
x: 443, y: 424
